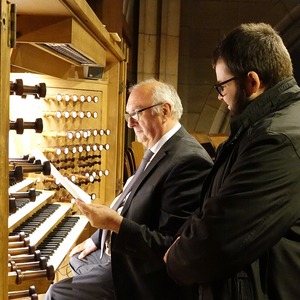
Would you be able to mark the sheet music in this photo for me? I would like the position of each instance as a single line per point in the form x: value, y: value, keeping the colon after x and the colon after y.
x: 72, y: 188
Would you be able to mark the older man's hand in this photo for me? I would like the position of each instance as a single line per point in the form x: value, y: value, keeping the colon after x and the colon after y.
x: 101, y: 216
x: 85, y: 248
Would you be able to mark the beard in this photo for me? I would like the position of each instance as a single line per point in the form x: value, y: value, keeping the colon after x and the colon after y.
x: 240, y: 102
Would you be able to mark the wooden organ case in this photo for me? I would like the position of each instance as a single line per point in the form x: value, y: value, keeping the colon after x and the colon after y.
x: 63, y: 95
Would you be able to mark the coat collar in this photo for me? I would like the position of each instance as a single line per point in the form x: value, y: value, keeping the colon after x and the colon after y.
x: 271, y: 100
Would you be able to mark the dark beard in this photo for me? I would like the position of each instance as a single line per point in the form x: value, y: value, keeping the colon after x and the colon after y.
x: 240, y: 102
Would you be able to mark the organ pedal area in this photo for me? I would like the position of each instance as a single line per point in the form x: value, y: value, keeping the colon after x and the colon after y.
x: 71, y: 124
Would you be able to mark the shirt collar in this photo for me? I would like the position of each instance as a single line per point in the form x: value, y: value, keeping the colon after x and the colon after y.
x: 164, y: 139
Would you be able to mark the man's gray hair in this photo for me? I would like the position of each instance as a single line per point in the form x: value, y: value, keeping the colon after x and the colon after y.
x: 163, y: 92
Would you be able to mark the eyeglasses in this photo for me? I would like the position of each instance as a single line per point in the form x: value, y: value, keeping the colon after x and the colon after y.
x: 220, y: 86
x: 135, y: 115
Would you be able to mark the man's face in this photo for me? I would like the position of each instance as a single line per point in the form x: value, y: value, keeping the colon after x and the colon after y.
x: 233, y: 94
x: 149, y: 127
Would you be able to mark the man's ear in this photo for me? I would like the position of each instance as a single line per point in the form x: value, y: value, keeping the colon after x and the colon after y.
x: 253, y: 85
x: 166, y: 109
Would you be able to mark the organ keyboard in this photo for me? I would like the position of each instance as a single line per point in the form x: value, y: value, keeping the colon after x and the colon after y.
x: 42, y: 222
x: 55, y: 258
x: 39, y: 230
x: 25, y: 183
x: 28, y: 209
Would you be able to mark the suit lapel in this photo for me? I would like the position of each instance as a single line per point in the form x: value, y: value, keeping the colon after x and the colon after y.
x: 149, y: 168
x: 159, y: 155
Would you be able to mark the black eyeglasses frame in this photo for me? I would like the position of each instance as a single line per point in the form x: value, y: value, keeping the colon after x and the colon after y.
x: 219, y: 87
x: 135, y: 115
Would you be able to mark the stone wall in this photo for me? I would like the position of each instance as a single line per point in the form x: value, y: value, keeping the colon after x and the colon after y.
x: 202, y: 25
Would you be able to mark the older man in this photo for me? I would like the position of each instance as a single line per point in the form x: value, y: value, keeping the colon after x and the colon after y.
x: 130, y: 264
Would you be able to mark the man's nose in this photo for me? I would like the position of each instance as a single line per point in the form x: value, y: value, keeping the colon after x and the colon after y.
x: 131, y: 122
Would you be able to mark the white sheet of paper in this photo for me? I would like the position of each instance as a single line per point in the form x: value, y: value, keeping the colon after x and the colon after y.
x: 72, y: 188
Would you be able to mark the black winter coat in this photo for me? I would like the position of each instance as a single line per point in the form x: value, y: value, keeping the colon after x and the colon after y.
x: 244, y: 242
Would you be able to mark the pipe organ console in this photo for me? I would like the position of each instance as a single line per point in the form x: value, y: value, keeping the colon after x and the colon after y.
x: 51, y: 108
x: 43, y: 222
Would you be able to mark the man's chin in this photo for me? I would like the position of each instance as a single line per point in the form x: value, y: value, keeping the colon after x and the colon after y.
x: 230, y: 111
x: 139, y: 138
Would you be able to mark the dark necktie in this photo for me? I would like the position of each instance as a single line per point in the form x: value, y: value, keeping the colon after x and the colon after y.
x: 120, y: 202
